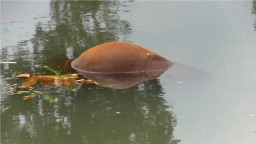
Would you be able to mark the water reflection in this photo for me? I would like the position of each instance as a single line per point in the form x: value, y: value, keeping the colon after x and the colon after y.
x: 92, y: 114
x: 254, y: 11
x: 76, y: 26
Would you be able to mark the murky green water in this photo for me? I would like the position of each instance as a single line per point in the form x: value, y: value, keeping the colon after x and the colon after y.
x: 207, y: 97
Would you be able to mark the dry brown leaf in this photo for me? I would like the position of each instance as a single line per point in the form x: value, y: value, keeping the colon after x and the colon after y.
x: 54, y: 81
x: 30, y: 82
x: 29, y: 97
x: 83, y: 81
x: 23, y: 75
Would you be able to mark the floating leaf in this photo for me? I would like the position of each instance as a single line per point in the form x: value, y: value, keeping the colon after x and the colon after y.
x: 51, y: 81
x: 29, y: 97
x: 30, y: 82
x: 55, y: 81
x: 83, y: 81
x: 51, y: 70
x: 14, y: 89
x: 22, y: 92
x: 23, y: 76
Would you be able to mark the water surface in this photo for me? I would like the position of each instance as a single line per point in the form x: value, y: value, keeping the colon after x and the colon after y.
x: 208, y: 96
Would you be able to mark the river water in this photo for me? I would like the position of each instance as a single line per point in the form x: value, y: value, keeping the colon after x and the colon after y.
x: 207, y: 97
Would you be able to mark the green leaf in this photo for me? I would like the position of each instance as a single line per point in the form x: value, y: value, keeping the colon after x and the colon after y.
x: 51, y: 70
x: 22, y: 92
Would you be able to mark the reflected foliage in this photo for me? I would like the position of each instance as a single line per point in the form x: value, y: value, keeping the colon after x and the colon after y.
x: 92, y: 114
x: 77, y: 26
x: 254, y: 11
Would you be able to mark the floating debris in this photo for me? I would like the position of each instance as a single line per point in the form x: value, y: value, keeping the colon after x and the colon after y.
x: 23, y: 75
x: 28, y: 81
x: 51, y: 70
x: 29, y: 97
x: 51, y: 80
x: 22, y: 92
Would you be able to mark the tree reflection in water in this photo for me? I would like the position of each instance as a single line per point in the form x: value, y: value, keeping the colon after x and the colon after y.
x: 96, y: 115
x: 254, y: 11
x: 92, y: 114
x: 77, y: 26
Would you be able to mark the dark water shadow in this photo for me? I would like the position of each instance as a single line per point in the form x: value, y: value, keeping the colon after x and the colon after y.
x: 254, y: 12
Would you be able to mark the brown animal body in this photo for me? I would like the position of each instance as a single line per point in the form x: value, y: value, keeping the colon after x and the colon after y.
x: 120, y: 62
